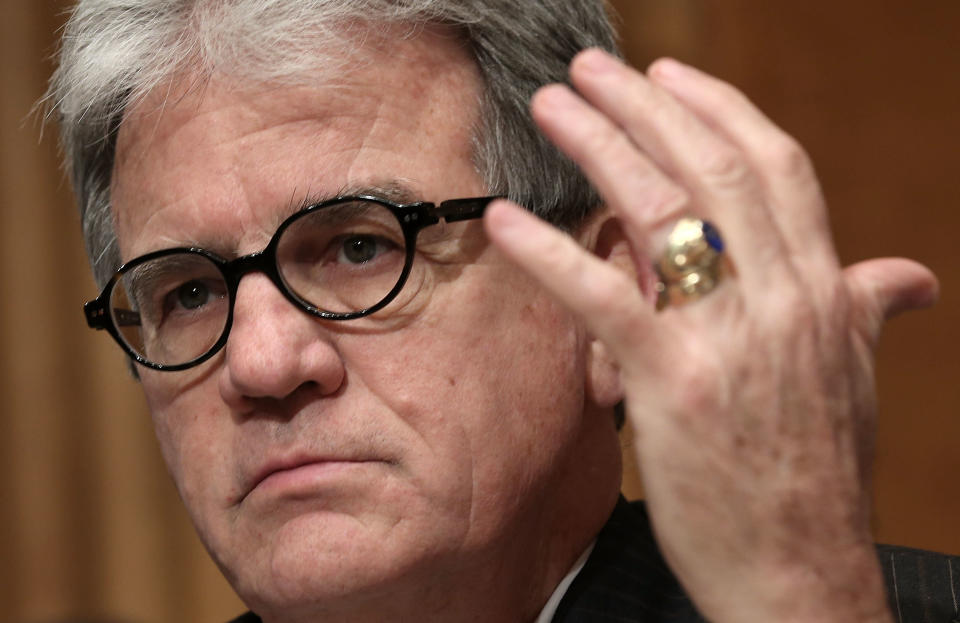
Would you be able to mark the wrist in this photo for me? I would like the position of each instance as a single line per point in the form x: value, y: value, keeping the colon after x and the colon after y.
x: 842, y: 588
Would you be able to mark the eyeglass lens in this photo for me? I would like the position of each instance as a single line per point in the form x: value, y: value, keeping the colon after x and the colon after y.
x: 340, y: 258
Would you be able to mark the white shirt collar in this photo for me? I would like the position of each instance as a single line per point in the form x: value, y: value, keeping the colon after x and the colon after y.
x: 546, y: 615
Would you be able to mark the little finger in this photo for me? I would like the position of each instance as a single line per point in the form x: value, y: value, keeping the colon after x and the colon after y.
x: 722, y: 182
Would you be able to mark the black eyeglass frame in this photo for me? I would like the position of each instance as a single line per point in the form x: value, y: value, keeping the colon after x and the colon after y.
x: 412, y: 218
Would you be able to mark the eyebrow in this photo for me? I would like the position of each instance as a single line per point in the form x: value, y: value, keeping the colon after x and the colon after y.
x: 395, y: 190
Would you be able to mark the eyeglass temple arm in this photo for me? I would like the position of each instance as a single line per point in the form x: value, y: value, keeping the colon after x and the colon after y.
x: 96, y: 313
x: 454, y: 210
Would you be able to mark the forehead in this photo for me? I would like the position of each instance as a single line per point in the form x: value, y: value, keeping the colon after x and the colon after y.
x: 195, y: 152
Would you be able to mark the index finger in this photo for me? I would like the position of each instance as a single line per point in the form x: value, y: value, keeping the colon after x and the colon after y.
x: 609, y: 302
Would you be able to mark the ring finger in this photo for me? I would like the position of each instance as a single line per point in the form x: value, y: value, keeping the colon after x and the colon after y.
x: 719, y: 180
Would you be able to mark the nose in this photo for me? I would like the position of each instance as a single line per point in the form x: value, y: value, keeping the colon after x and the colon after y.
x: 274, y: 348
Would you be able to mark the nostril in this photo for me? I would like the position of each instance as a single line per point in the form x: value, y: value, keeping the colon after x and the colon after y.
x: 275, y: 350
x: 280, y: 409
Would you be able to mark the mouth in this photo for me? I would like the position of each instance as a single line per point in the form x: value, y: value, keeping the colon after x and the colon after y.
x: 302, y: 476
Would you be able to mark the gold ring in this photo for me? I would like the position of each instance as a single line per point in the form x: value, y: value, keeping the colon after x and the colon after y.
x: 692, y: 265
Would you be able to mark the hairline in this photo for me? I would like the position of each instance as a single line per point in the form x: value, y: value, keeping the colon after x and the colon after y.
x: 90, y: 146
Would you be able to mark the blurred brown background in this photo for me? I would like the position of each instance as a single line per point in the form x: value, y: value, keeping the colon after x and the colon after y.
x: 89, y: 523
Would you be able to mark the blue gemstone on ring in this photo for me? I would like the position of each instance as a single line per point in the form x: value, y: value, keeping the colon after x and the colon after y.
x: 712, y: 237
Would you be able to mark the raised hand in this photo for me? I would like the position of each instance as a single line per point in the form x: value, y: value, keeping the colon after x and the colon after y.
x: 753, y: 406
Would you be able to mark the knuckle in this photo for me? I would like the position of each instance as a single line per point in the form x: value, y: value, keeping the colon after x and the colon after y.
x: 700, y: 376
x: 556, y: 253
x: 667, y: 204
x: 603, y: 140
x: 724, y: 167
x: 616, y: 307
x: 702, y: 389
x: 786, y: 157
x: 656, y: 105
x: 732, y: 95
x: 729, y: 99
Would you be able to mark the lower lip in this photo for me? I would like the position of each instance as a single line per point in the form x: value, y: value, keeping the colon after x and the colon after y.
x: 310, y: 476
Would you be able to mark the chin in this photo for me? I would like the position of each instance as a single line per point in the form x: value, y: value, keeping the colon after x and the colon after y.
x: 327, y: 562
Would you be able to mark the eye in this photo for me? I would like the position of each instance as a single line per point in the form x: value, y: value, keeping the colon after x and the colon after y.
x: 192, y: 295
x: 360, y: 249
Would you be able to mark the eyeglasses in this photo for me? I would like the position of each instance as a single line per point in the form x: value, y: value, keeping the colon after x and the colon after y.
x: 339, y: 259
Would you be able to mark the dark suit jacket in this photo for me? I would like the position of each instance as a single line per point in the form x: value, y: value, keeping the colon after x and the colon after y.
x: 626, y: 580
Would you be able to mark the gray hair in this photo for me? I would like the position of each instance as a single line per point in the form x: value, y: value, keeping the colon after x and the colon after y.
x: 114, y: 52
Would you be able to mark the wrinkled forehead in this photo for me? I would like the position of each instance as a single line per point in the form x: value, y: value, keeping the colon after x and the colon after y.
x: 423, y: 90
x: 433, y: 58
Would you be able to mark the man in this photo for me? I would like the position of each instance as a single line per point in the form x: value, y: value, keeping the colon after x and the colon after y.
x: 379, y: 409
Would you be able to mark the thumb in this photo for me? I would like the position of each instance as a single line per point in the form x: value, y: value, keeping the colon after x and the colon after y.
x: 885, y: 287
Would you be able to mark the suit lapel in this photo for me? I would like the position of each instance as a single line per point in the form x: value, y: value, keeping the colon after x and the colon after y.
x: 626, y: 579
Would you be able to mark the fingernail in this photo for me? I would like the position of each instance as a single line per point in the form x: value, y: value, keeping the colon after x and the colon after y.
x: 669, y: 68
x: 597, y: 61
x: 554, y: 96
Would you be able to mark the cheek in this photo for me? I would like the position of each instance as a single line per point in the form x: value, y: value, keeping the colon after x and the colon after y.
x: 194, y: 441
x: 488, y: 377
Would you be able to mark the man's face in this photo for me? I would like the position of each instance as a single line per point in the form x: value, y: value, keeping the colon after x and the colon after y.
x: 354, y: 461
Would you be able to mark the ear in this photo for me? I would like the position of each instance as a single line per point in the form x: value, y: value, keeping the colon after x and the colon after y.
x: 603, y: 235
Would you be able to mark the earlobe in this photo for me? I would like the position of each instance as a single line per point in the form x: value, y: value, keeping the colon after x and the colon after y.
x: 603, y: 376
x: 604, y: 237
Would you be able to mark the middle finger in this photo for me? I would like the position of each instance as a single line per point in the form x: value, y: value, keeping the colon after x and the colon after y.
x: 723, y: 186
